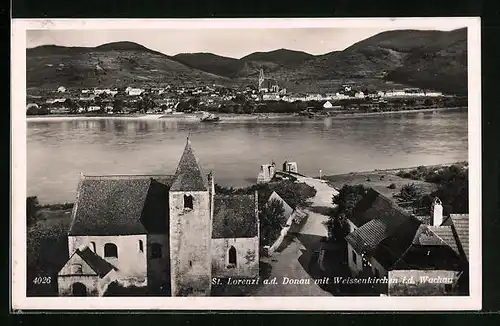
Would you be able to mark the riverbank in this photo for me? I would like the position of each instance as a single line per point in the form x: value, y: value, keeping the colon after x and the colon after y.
x: 226, y: 117
x: 385, y: 181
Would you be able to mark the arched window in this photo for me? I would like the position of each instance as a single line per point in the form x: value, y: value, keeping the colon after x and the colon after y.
x: 93, y: 246
x: 232, y: 256
x: 156, y: 250
x: 141, y: 246
x: 188, y: 201
x: 110, y: 250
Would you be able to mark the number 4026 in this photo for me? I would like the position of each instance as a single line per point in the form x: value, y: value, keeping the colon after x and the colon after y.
x: 42, y: 280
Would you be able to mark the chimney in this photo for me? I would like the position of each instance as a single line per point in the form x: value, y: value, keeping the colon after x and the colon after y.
x: 437, y: 212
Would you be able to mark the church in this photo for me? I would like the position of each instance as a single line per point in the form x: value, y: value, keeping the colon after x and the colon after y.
x: 152, y: 231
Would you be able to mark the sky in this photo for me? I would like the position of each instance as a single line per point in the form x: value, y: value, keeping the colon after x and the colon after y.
x: 235, y: 43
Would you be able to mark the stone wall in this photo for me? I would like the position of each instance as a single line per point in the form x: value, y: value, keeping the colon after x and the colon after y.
x: 190, y: 242
x: 65, y: 284
x: 158, y: 268
x: 247, y: 257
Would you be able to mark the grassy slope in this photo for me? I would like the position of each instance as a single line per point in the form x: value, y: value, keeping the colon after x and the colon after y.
x: 106, y: 67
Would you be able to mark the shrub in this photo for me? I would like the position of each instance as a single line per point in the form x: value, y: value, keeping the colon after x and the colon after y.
x: 392, y: 186
x: 272, y: 220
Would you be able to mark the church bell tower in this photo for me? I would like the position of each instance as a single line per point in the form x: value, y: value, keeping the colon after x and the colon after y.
x: 190, y: 204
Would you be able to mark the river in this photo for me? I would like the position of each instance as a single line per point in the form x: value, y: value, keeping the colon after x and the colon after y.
x: 59, y: 150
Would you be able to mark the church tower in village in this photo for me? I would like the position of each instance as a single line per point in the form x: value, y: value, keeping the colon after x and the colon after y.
x: 261, y: 79
x: 190, y: 206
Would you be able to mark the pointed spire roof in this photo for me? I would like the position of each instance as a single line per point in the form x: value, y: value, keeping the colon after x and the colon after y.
x: 188, y: 176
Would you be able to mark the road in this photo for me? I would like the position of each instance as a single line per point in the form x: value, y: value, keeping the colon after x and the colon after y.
x: 298, y: 260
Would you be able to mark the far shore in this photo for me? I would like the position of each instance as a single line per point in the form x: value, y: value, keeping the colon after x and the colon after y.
x: 226, y: 117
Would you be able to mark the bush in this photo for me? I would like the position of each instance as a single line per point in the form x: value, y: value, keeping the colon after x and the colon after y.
x: 392, y: 186
x: 32, y: 208
x: 272, y: 221
x: 346, y: 200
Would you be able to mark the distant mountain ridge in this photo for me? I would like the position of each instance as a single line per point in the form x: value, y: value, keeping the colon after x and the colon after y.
x: 427, y: 59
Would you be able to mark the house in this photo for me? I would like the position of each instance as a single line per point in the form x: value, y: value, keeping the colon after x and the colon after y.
x: 327, y: 105
x: 93, y: 108
x: 157, y: 231
x: 386, y: 241
x: 133, y: 91
x: 292, y: 214
x: 61, y: 89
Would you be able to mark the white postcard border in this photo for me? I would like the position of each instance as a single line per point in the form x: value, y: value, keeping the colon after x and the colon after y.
x: 19, y: 300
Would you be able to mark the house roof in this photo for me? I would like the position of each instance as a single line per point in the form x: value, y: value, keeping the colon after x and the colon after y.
x: 374, y: 205
x: 99, y: 265
x: 397, y: 239
x: 121, y: 205
x: 461, y: 229
x: 445, y: 233
x: 429, y: 250
x: 235, y: 216
x: 188, y: 176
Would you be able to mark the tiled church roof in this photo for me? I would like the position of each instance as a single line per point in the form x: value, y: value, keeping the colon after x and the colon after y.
x: 235, y: 217
x: 121, y: 205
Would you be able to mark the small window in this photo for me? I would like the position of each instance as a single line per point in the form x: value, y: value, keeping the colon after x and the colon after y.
x: 188, y: 202
x: 232, y: 257
x: 190, y: 264
x: 156, y: 250
x: 110, y: 250
x: 354, y: 257
x: 76, y: 269
x: 93, y: 246
x: 377, y: 274
x: 141, y: 246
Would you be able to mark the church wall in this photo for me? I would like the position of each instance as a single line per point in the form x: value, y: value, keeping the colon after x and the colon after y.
x: 190, y: 242
x: 131, y: 262
x: 247, y: 257
x: 159, y: 268
x: 65, y: 284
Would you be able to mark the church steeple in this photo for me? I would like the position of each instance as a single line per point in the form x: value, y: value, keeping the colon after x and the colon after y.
x: 188, y: 176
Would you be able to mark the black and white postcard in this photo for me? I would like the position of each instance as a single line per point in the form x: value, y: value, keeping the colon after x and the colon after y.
x: 236, y: 164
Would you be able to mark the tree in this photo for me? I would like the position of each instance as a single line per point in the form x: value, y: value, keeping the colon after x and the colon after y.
x: 409, y: 193
x: 346, y: 200
x: 32, y: 206
x: 272, y: 220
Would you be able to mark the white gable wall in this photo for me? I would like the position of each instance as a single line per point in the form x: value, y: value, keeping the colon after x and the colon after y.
x: 288, y: 209
x: 131, y: 262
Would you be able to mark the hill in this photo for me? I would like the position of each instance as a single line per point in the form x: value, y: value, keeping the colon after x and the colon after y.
x: 114, y: 64
x: 427, y: 59
x: 219, y: 65
x: 246, y: 66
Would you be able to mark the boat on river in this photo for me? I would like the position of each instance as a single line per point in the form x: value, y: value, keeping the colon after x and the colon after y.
x: 209, y: 117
